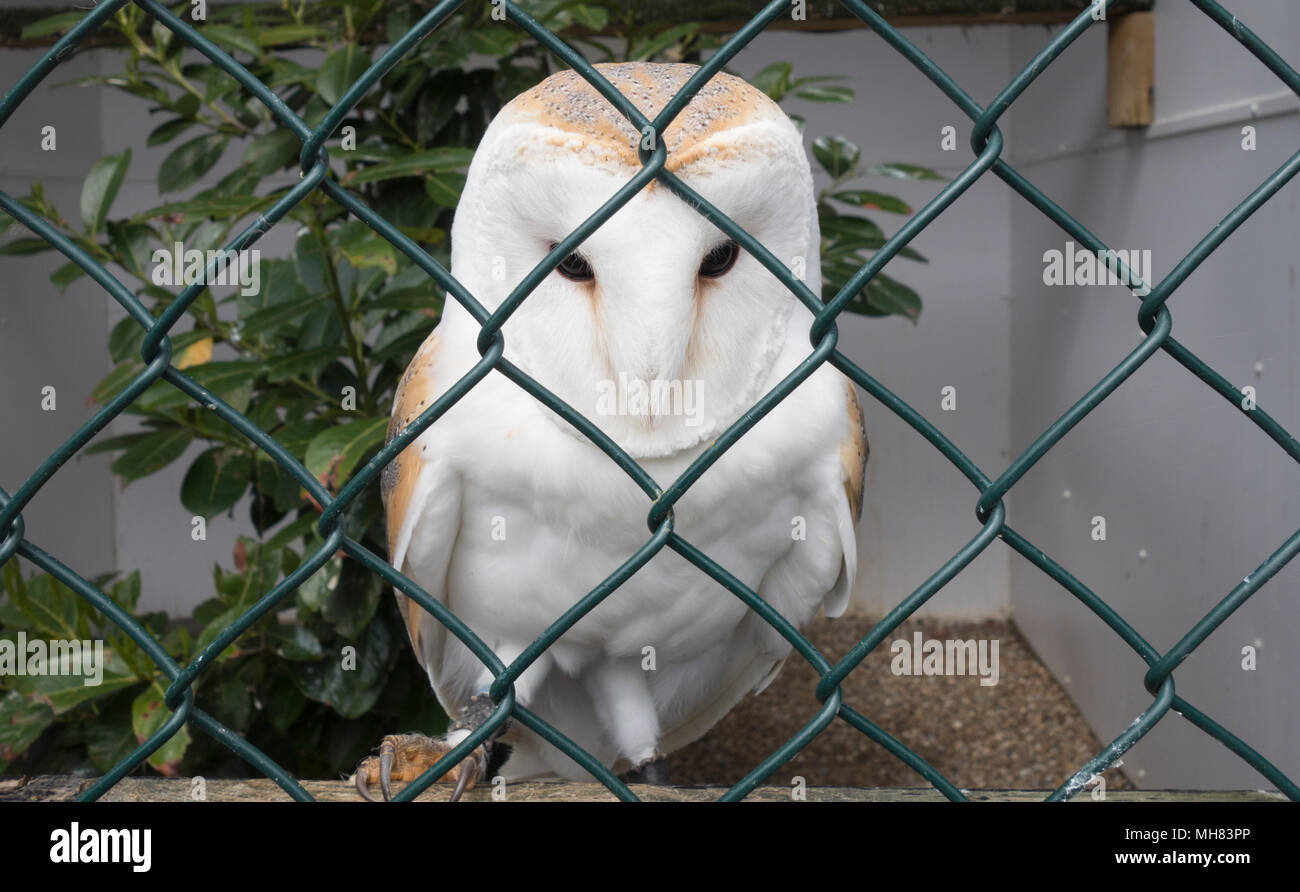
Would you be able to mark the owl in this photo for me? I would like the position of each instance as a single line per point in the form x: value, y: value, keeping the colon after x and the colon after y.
x: 663, y: 332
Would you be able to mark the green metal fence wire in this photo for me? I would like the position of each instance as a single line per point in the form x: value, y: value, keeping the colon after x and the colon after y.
x: 1154, y: 319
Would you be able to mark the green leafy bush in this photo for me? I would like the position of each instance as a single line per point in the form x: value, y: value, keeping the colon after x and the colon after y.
x: 312, y: 358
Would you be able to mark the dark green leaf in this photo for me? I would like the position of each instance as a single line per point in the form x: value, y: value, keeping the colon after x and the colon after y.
x: 209, y: 206
x: 350, y: 691
x: 335, y: 452
x: 430, y: 234
x: 664, y: 40
x: 113, y: 444
x: 905, y: 172
x: 153, y: 453
x: 593, y: 17
x: 774, y: 80
x: 109, y: 739
x: 434, y: 160
x: 340, y: 70
x: 413, y: 299
x: 282, y: 703
x: 234, y: 705
x: 837, y: 155
x: 186, y: 105
x: 148, y: 714
x: 50, y: 605
x: 894, y: 296
x: 403, y: 347
x: 295, y: 643
x: 117, y: 380
x: 297, y: 437
x: 189, y: 161
x: 865, y: 198
x: 445, y: 188
x: 125, y: 339
x: 884, y: 296
x: 232, y: 39
x: 62, y: 21
x: 363, y: 247
x: 352, y: 603
x: 66, y: 275
x: 271, y: 152
x: 169, y: 130
x: 231, y: 380
x: 24, y: 247
x: 66, y: 690
x: 127, y: 591
x: 304, y: 364
x: 278, y: 315
x: 131, y: 243
x: 843, y: 95
x: 279, y: 35
x: 101, y: 187
x: 493, y: 40
x: 316, y: 590
x: 286, y: 72
x: 22, y: 721
x: 857, y: 229
x: 215, y: 482
x: 292, y: 532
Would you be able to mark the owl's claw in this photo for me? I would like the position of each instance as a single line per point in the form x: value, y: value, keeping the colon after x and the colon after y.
x: 386, y: 753
x: 404, y: 757
x: 468, y: 769
x: 363, y: 788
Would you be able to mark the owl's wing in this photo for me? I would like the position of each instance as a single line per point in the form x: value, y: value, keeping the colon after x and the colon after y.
x: 854, y: 450
x: 422, y: 508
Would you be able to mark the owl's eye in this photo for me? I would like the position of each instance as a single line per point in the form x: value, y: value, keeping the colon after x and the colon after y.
x: 575, y: 267
x: 721, y: 259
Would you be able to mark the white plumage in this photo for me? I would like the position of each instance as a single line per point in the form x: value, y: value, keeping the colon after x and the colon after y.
x: 507, y: 515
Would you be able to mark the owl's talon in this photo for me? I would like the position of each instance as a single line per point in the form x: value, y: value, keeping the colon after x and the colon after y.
x: 386, y: 754
x: 405, y: 757
x: 468, y: 768
x: 363, y: 788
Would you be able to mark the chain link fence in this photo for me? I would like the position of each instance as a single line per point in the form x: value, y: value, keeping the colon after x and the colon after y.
x: 1153, y: 317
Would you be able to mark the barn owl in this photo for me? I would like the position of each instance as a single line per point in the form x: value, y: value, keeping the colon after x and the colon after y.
x: 662, y: 332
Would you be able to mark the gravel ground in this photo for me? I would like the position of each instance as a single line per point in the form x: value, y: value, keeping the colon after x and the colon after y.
x: 1022, y: 733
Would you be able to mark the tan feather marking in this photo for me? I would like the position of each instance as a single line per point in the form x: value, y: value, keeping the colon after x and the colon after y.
x: 568, y: 103
x: 413, y: 614
x: 853, y: 453
x: 397, y: 483
x: 414, y: 394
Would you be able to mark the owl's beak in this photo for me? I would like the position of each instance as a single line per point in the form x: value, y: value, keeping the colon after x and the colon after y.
x: 649, y: 336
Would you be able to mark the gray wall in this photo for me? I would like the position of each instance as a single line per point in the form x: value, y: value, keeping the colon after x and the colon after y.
x: 1177, y: 472
x: 52, y: 340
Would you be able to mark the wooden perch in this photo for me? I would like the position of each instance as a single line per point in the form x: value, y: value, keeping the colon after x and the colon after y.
x: 154, y: 789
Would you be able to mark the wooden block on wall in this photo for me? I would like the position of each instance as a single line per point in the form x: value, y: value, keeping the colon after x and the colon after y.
x: 1131, y: 70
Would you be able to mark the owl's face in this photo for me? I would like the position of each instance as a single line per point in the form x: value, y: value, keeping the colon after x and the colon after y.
x: 659, y: 328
